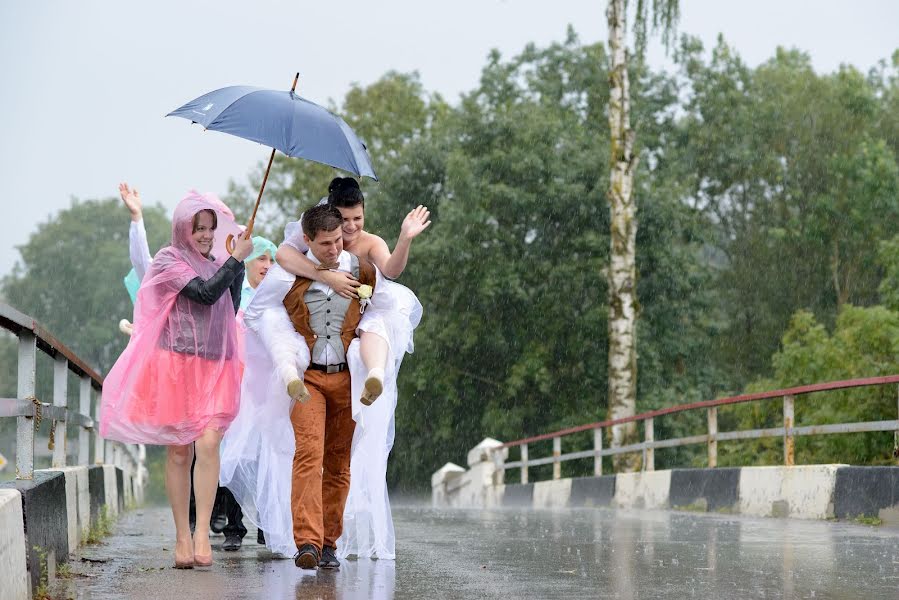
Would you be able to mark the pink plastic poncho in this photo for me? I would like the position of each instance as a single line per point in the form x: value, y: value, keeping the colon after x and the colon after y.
x: 180, y: 373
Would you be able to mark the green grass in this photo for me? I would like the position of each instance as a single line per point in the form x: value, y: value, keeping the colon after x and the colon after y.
x: 100, y: 529
x: 42, y: 592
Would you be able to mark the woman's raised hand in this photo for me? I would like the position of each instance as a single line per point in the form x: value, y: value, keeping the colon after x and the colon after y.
x: 341, y: 282
x: 415, y: 222
x: 131, y: 198
x: 243, y: 246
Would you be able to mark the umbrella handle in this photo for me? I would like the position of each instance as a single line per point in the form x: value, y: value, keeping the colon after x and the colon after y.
x: 229, y: 241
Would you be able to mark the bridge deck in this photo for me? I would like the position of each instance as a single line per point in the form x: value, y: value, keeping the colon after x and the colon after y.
x: 585, y: 553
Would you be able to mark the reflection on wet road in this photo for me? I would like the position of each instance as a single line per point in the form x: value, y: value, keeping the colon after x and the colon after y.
x: 520, y: 553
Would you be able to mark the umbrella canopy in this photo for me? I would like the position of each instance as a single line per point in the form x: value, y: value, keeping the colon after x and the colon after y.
x: 281, y: 120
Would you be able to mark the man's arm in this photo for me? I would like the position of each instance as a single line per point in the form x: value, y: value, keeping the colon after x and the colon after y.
x: 294, y: 261
x: 266, y: 317
x: 269, y: 295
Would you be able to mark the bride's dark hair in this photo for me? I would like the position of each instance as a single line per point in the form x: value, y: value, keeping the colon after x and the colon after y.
x: 344, y: 192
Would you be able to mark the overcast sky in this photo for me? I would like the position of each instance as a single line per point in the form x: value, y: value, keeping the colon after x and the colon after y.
x: 86, y: 84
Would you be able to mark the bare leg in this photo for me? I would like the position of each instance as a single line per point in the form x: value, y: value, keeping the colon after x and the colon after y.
x: 206, y: 479
x: 373, y: 349
x: 177, y: 486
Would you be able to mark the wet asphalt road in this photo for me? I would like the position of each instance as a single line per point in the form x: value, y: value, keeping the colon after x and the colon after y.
x: 518, y: 553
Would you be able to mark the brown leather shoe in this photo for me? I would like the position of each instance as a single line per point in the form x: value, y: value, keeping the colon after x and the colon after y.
x: 307, y: 557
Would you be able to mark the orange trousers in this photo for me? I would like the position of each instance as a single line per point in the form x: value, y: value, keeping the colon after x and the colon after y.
x: 323, y: 427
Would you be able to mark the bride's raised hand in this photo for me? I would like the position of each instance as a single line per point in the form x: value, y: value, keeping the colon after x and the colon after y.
x: 415, y: 222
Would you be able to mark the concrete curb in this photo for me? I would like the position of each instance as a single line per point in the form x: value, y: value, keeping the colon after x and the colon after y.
x: 12, y: 546
x: 592, y: 491
x: 43, y: 519
x: 871, y: 492
x: 649, y: 489
x: 801, y: 492
x: 713, y: 490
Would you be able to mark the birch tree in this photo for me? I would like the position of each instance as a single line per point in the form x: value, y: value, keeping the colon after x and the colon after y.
x: 622, y: 270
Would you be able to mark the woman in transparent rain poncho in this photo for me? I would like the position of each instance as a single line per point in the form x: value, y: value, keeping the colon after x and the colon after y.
x: 177, y: 383
x: 257, y: 452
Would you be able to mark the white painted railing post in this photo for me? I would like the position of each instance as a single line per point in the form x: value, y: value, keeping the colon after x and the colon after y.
x: 25, y: 391
x: 557, y: 452
x: 60, y: 390
x: 649, y: 453
x: 84, y: 434
x: 499, y: 461
x: 712, y: 415
x: 99, y: 444
x: 524, y: 463
x: 789, y: 441
x: 597, y: 452
x: 111, y: 449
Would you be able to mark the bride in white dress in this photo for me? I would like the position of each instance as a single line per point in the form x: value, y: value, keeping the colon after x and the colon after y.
x: 258, y: 449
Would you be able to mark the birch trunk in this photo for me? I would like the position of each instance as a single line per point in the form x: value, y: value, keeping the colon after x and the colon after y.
x: 622, y: 274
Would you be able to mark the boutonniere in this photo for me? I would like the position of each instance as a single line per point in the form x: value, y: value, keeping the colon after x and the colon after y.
x: 364, y: 292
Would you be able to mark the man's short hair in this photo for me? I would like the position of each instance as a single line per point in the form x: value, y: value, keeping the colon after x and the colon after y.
x: 344, y: 192
x: 322, y: 217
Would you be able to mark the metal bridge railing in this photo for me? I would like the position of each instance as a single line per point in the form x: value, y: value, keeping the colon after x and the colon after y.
x: 29, y: 411
x: 649, y: 444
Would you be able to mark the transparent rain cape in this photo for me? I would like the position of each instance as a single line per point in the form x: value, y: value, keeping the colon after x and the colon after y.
x: 180, y: 373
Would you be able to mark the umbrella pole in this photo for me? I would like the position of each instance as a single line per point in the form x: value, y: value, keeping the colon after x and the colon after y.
x: 229, y: 243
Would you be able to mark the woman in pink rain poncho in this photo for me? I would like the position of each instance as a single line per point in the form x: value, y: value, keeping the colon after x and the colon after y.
x: 177, y: 383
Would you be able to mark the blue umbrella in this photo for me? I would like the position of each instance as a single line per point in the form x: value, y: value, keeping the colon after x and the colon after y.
x: 284, y: 121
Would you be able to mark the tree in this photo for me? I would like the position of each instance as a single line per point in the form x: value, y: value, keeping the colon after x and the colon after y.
x: 622, y: 269
x: 799, y: 183
x: 864, y: 343
x: 70, y: 276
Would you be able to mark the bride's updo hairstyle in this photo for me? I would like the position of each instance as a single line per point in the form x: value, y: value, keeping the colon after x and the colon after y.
x: 344, y: 192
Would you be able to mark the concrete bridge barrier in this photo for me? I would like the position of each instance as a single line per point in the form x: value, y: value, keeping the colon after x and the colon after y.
x: 45, y: 518
x: 15, y: 583
x: 802, y: 492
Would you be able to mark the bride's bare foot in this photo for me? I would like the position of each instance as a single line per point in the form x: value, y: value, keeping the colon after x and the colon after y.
x: 184, y: 554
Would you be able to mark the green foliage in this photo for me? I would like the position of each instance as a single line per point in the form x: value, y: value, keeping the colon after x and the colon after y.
x: 864, y: 343
x: 889, y: 260
x: 800, y: 178
x: 101, y: 529
x: 42, y: 592
x: 70, y: 276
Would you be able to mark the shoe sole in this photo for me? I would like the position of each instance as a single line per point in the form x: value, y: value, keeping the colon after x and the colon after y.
x: 297, y: 391
x: 373, y: 389
x: 307, y: 561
